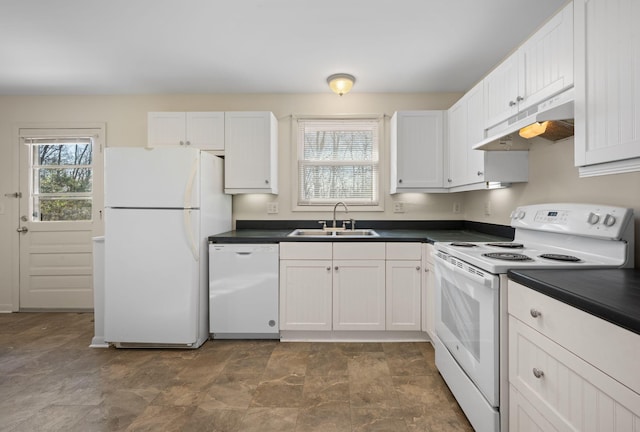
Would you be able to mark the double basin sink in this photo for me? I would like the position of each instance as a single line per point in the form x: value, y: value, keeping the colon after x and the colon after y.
x: 357, y: 233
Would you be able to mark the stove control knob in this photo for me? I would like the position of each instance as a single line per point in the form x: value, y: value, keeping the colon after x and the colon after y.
x: 609, y: 220
x: 521, y: 214
x: 593, y: 218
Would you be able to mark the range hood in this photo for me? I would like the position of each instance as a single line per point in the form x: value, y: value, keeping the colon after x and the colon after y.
x: 558, y: 111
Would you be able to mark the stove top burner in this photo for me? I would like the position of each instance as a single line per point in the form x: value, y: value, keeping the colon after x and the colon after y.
x: 560, y: 257
x: 463, y: 244
x: 507, y: 256
x: 507, y: 245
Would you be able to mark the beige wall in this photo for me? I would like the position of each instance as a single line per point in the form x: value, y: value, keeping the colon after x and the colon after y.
x: 552, y: 175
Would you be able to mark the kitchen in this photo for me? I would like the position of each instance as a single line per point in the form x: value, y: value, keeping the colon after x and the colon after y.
x: 552, y: 175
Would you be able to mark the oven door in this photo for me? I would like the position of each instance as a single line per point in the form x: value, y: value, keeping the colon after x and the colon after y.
x: 467, y: 320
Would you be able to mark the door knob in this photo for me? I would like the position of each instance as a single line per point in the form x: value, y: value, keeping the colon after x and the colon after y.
x: 23, y: 229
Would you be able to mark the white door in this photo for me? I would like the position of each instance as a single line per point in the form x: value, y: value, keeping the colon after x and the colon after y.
x: 358, y: 295
x: 151, y: 277
x: 60, y: 211
x: 305, y: 294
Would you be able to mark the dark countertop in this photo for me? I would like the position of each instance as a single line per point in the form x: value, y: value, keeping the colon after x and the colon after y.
x: 276, y: 231
x: 611, y: 294
x: 424, y: 236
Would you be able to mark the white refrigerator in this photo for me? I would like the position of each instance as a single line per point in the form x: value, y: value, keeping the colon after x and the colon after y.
x: 161, y: 205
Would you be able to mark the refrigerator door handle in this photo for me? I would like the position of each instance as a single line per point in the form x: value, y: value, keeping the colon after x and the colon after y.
x: 188, y: 228
x: 188, y: 190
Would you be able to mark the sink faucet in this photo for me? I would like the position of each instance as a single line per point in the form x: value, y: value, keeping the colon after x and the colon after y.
x: 346, y: 209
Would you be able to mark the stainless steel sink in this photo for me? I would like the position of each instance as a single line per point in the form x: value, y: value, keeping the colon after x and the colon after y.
x: 331, y: 233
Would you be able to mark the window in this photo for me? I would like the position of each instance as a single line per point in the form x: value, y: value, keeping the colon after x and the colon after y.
x: 338, y: 161
x: 61, y: 178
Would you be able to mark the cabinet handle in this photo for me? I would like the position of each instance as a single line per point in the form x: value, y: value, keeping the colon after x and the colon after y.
x: 328, y: 268
x: 266, y: 181
x: 449, y: 180
x: 336, y: 268
x: 188, y: 143
x: 181, y: 142
x: 426, y: 270
x: 418, y: 268
x: 399, y: 180
x: 535, y: 313
x: 480, y: 173
x: 519, y: 99
x: 538, y: 373
x: 512, y: 103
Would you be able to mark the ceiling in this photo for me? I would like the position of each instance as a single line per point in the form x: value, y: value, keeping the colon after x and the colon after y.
x: 257, y: 46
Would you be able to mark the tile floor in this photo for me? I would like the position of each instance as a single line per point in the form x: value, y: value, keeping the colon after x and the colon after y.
x: 51, y: 381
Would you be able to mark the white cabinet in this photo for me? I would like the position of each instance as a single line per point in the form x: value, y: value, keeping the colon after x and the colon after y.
x: 204, y: 130
x: 403, y: 286
x: 359, y: 286
x: 468, y: 168
x: 251, y: 152
x: 428, y: 291
x: 540, y: 68
x: 306, y: 281
x: 607, y: 124
x: 560, y: 379
x: 350, y: 286
x: 417, y: 149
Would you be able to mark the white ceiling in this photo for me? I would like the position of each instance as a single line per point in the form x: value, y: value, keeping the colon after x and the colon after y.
x: 257, y: 46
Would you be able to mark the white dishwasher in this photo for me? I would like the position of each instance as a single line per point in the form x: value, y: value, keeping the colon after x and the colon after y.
x: 243, y: 291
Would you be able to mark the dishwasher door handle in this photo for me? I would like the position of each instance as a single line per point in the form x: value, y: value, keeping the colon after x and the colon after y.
x: 244, y: 253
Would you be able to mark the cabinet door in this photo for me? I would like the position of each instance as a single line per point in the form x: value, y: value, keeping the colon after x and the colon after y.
x: 501, y: 92
x: 417, y: 148
x: 607, y: 124
x: 546, y: 60
x: 205, y: 130
x: 358, y: 295
x: 166, y: 129
x: 523, y: 417
x: 250, y: 152
x: 457, y: 154
x: 428, y: 292
x: 475, y: 133
x: 403, y: 285
x: 305, y: 294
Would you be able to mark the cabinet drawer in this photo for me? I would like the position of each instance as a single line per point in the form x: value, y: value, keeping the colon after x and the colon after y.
x: 569, y: 392
x: 358, y: 250
x: 304, y: 250
x: 404, y: 251
x: 608, y: 347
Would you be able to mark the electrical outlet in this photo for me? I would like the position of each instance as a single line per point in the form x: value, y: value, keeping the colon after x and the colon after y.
x: 398, y: 207
x: 457, y: 207
x: 272, y: 207
x: 487, y: 208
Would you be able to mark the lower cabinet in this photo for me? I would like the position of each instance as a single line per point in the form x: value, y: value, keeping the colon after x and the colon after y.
x: 428, y: 291
x: 566, y: 368
x: 350, y: 286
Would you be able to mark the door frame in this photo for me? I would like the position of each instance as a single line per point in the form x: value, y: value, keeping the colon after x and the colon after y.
x: 98, y: 228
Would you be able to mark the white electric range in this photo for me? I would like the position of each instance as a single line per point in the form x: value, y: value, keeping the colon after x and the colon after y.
x: 471, y: 293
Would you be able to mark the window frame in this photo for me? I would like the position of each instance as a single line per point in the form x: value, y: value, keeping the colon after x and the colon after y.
x: 295, y: 160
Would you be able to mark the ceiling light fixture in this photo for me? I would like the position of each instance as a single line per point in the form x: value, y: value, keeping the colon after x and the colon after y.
x: 533, y: 130
x: 341, y: 83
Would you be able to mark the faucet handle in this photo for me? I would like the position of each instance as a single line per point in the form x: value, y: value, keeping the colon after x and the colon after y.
x: 324, y: 224
x: 353, y: 224
x: 346, y: 222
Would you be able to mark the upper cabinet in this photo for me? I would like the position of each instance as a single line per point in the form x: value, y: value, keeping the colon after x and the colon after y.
x: 470, y: 169
x: 607, y: 101
x: 540, y: 68
x: 203, y: 130
x: 251, y: 152
x: 417, y: 148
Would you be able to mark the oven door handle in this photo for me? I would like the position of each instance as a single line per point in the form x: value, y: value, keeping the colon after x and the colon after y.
x: 477, y: 277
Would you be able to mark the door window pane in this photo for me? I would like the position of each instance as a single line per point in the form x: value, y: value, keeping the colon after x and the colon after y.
x: 62, y: 179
